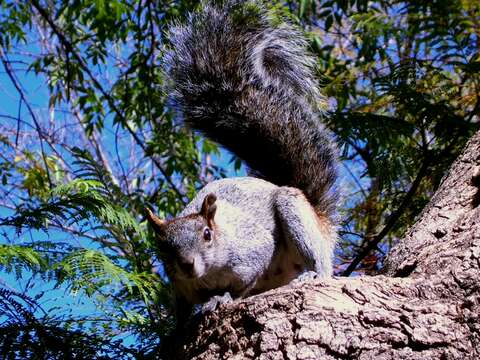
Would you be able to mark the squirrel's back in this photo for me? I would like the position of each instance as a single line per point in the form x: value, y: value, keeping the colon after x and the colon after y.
x: 246, y: 80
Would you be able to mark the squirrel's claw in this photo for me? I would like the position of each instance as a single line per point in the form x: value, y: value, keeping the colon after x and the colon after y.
x: 306, y: 276
x: 212, y: 304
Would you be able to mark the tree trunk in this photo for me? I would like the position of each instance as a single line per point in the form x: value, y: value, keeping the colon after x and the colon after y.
x: 426, y: 305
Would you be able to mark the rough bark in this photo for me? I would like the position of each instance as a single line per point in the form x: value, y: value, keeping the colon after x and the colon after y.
x: 425, y: 306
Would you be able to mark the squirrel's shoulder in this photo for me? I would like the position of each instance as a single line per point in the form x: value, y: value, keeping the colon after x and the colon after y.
x: 241, y: 192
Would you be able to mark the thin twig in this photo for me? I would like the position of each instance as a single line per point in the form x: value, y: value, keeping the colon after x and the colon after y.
x: 41, y: 136
x: 119, y: 160
x: 18, y: 120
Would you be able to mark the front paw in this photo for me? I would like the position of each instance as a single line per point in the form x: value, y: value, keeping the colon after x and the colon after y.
x: 212, y: 304
x: 306, y: 276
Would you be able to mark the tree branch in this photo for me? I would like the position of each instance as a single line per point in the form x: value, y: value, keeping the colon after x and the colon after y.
x: 392, y: 220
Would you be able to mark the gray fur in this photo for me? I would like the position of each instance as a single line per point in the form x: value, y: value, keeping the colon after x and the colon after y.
x: 250, y: 86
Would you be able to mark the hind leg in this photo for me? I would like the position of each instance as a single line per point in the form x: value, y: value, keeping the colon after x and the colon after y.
x: 311, y: 235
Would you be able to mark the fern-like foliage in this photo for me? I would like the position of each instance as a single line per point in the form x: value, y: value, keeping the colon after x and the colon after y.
x: 27, y: 332
x: 91, y: 270
x: 17, y: 258
x: 114, y: 268
x: 71, y: 203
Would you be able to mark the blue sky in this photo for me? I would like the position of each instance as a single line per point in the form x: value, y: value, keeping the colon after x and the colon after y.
x: 60, y: 301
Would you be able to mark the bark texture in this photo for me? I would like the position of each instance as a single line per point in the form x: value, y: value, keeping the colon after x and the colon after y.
x: 426, y: 305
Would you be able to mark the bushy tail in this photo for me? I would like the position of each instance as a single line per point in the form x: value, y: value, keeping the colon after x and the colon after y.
x: 244, y: 79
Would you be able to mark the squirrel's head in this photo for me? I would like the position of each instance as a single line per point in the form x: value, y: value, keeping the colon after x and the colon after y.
x: 187, y: 244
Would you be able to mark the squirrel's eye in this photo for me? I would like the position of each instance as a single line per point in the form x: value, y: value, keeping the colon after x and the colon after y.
x: 207, y: 234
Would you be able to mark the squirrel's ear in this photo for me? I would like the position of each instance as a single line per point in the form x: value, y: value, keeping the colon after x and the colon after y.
x: 209, y: 208
x: 156, y: 223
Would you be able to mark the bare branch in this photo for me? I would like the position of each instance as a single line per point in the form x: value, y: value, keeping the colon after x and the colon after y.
x: 16, y: 84
x: 392, y: 220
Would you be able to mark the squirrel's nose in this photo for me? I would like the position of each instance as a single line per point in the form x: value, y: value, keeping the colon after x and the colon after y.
x: 187, y: 265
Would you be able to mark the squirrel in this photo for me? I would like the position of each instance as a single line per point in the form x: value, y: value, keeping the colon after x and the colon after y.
x: 245, y: 80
